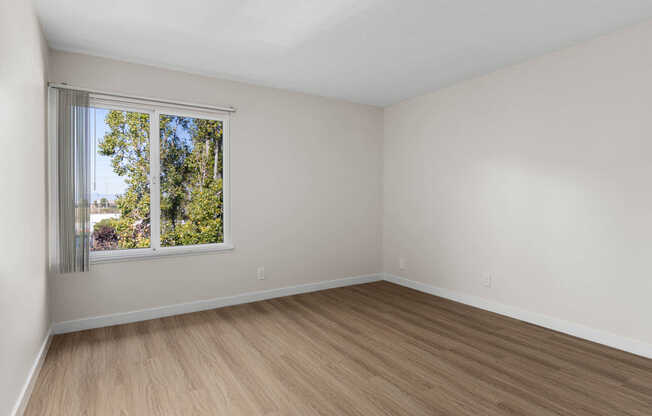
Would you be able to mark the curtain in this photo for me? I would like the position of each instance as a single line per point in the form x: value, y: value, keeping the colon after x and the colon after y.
x: 72, y: 185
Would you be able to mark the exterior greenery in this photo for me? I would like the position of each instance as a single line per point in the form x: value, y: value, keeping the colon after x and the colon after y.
x: 190, y: 181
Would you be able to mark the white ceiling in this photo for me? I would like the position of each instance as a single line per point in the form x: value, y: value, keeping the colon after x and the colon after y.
x: 367, y: 51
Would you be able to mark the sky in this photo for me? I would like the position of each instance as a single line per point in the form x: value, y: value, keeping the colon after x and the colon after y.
x: 105, y: 180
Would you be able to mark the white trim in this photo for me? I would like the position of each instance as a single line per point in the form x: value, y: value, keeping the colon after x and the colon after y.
x: 134, y: 98
x: 581, y: 331
x: 155, y: 179
x: 577, y: 330
x: 26, y: 392
x: 154, y: 109
x: 111, y: 256
x: 202, y: 305
x: 226, y: 181
x: 100, y: 101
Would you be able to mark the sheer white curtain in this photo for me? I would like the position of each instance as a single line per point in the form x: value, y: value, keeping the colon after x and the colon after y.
x: 70, y: 156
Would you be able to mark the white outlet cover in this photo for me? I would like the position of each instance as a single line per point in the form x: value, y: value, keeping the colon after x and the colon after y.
x: 487, y: 281
x: 260, y: 273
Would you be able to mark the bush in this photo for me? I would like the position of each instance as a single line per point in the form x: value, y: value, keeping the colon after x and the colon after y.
x: 105, y: 236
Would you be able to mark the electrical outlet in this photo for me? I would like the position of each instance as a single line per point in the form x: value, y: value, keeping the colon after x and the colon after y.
x: 402, y: 264
x: 487, y: 281
x: 260, y: 273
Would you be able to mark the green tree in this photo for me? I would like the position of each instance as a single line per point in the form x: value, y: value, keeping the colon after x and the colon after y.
x: 190, y: 178
x: 191, y: 181
x: 104, y: 234
x: 127, y: 143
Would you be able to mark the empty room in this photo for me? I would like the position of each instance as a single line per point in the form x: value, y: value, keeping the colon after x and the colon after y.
x: 310, y: 207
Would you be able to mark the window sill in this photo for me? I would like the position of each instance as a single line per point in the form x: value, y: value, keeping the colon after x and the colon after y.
x: 102, y: 257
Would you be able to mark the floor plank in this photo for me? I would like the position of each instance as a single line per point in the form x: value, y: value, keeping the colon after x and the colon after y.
x: 372, y: 349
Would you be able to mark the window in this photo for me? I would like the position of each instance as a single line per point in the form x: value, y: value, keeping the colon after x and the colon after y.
x: 160, y: 180
x: 191, y: 180
x: 120, y: 210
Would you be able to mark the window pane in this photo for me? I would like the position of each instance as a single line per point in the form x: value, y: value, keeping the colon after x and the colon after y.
x: 191, y: 181
x: 120, y: 207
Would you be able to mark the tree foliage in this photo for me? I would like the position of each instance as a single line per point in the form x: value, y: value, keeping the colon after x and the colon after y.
x: 105, y: 235
x: 190, y: 179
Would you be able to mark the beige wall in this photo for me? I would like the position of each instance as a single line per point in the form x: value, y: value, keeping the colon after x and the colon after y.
x: 539, y: 175
x: 24, y: 319
x: 536, y: 175
x: 305, y: 194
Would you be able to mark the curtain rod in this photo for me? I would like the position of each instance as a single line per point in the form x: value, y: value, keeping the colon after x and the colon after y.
x: 135, y: 97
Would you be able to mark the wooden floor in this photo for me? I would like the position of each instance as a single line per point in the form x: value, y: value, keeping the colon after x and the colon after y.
x: 373, y: 349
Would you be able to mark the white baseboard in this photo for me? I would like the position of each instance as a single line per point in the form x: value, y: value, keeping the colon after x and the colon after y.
x: 26, y: 392
x: 581, y: 331
x: 201, y: 305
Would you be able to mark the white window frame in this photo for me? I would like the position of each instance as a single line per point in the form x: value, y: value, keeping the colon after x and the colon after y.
x: 154, y: 109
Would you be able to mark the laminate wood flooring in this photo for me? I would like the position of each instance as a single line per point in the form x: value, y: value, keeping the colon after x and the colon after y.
x: 372, y: 349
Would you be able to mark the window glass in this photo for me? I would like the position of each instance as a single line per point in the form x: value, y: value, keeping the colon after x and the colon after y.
x: 120, y: 189
x: 191, y: 167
